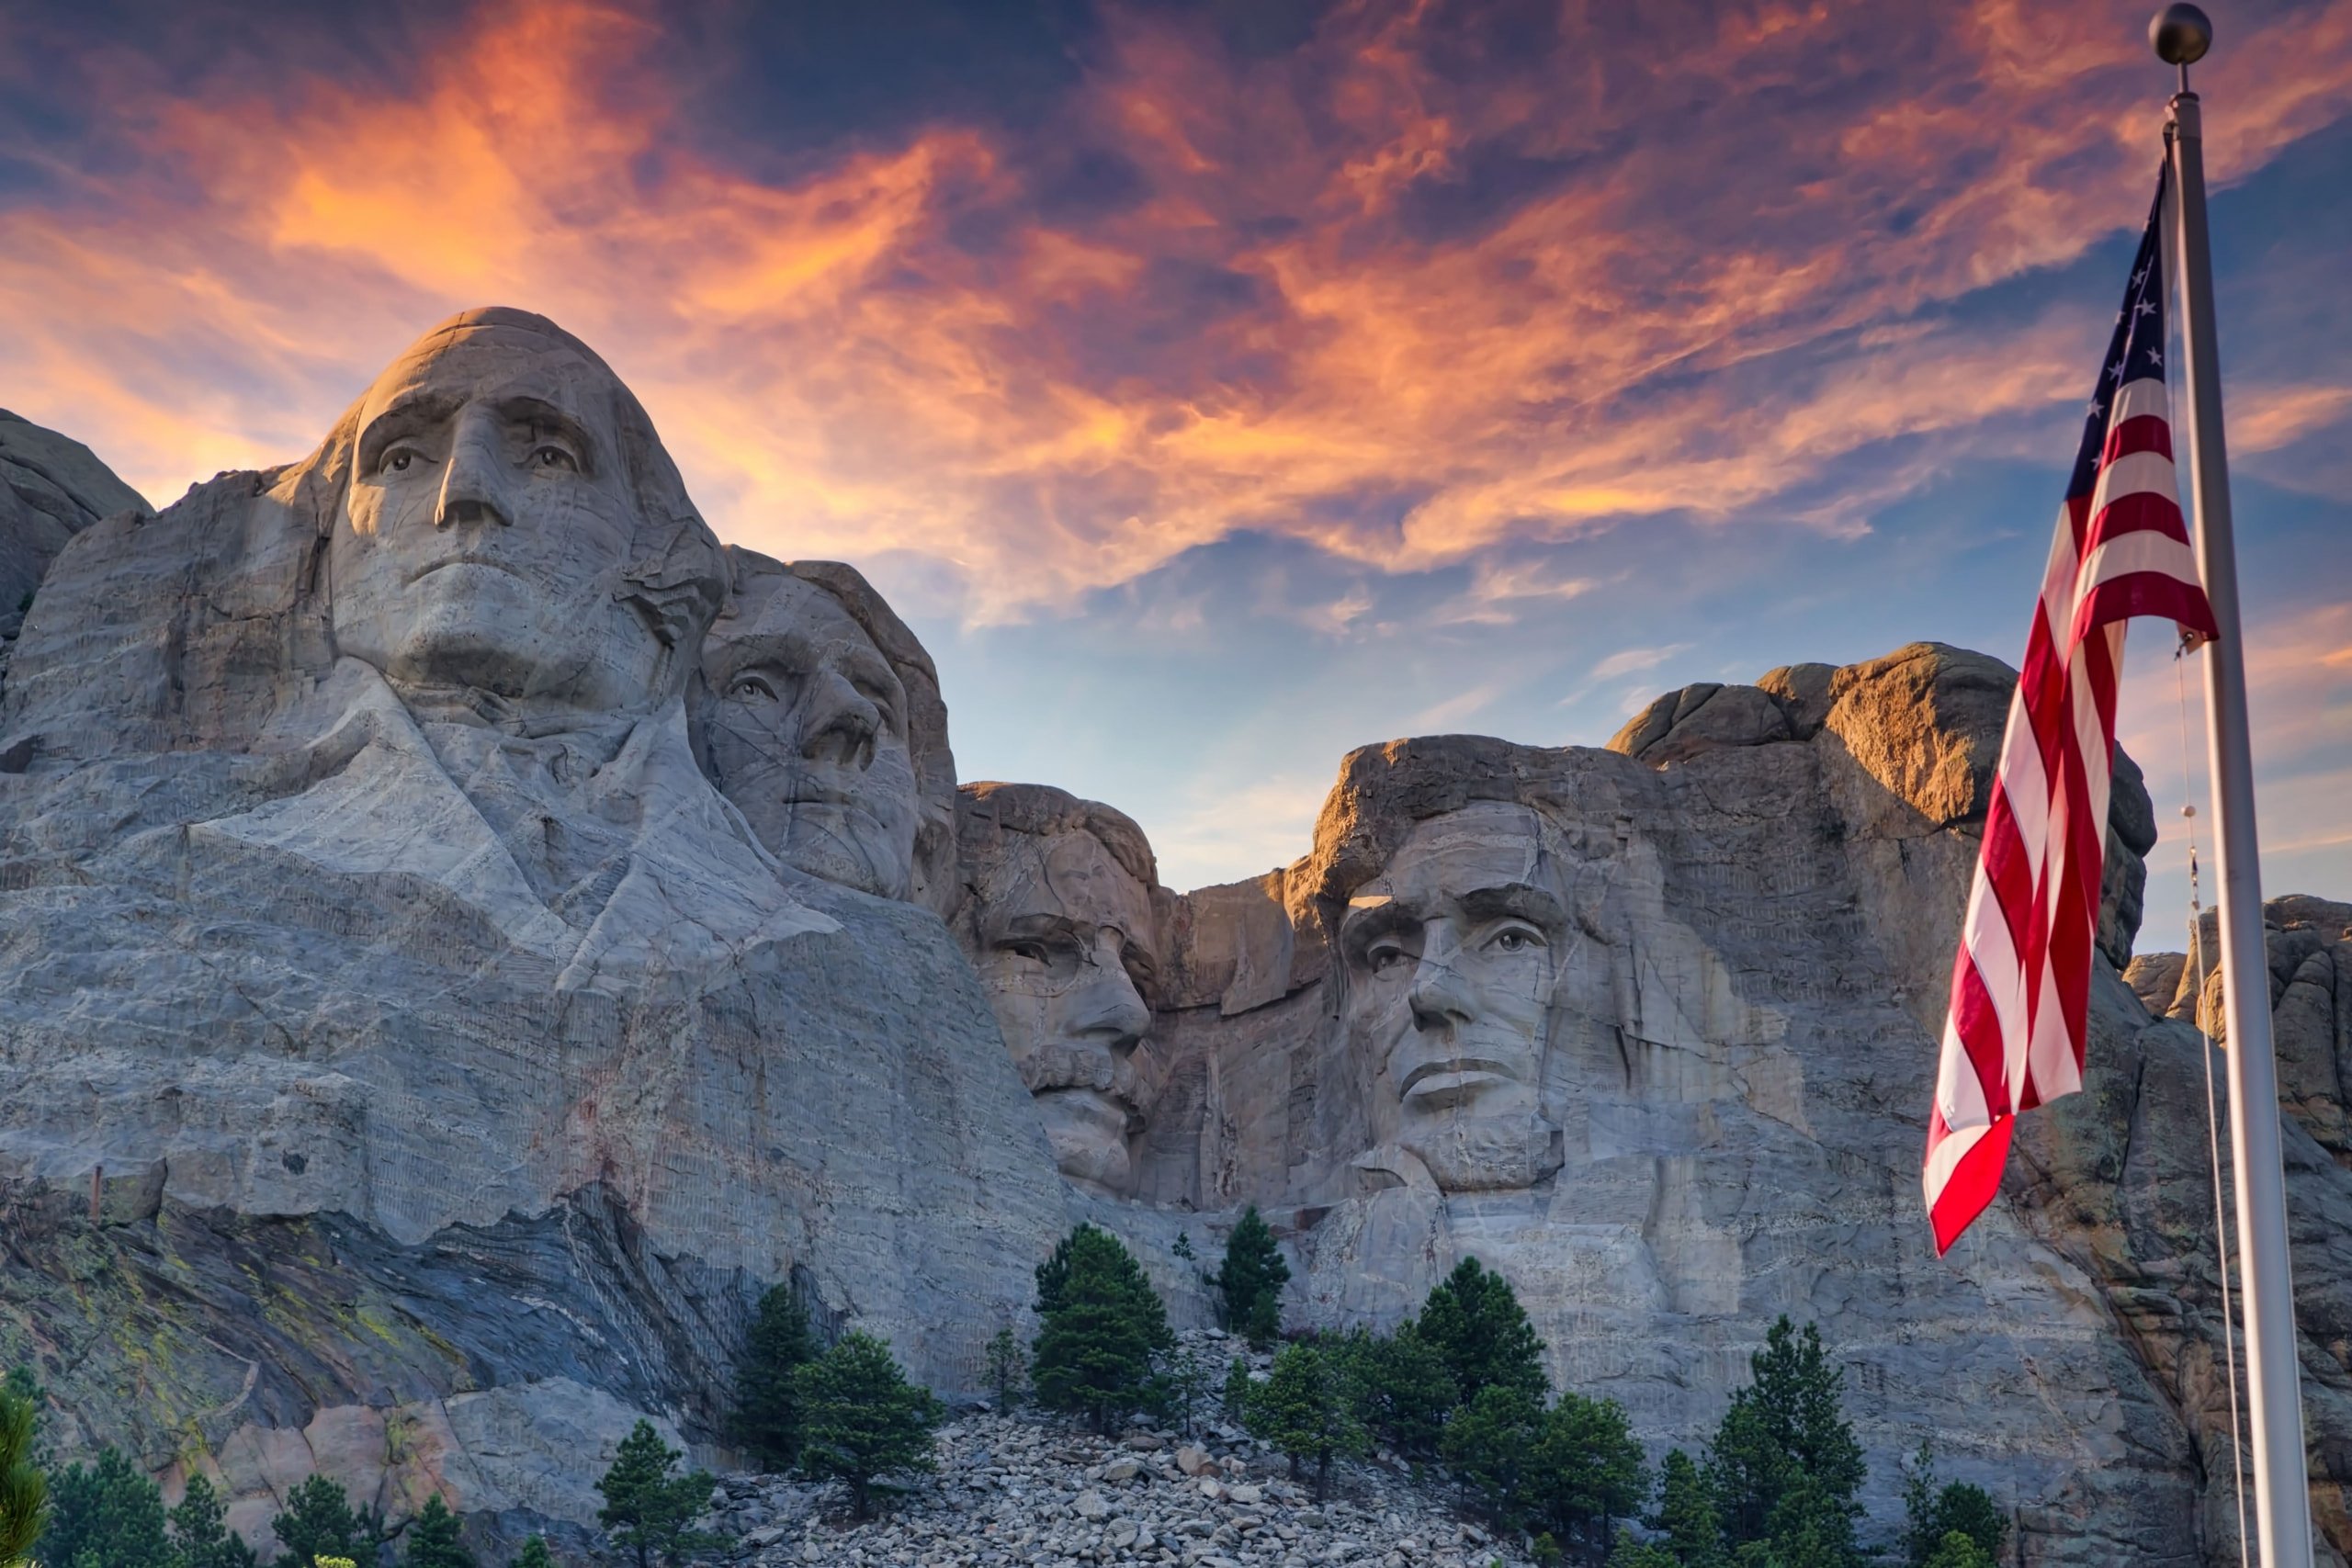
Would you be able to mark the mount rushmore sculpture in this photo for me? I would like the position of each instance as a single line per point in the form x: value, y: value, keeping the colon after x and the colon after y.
x: 469, y: 931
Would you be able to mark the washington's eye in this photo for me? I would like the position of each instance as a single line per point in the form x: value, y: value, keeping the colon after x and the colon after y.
x: 398, y: 459
x: 752, y: 688
x: 553, y: 457
x: 1515, y: 939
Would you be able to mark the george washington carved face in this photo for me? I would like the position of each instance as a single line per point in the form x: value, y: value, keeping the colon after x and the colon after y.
x: 1453, y: 954
x: 497, y: 549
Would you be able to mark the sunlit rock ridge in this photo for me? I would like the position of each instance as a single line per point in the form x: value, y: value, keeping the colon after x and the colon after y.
x: 467, y: 933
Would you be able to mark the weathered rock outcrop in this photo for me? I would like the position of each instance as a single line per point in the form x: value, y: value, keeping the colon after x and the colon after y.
x: 51, y: 489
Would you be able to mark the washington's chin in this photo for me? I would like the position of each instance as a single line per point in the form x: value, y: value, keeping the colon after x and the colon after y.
x: 481, y: 627
x: 1088, y: 1132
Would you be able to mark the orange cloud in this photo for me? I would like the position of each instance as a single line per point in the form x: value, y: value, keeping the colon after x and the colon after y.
x: 1321, y: 290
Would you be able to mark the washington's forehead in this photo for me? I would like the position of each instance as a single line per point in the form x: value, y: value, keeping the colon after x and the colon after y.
x: 459, y: 367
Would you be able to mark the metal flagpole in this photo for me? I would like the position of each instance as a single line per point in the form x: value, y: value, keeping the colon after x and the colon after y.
x: 2281, y: 1494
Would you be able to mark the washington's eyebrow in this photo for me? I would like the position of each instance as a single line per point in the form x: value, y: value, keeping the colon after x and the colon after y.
x: 406, y: 415
x: 1035, y: 925
x: 1515, y: 899
x: 522, y: 408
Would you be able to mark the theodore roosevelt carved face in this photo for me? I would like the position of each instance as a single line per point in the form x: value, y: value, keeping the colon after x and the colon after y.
x: 512, y: 544
x: 1058, y: 923
x: 1452, y: 956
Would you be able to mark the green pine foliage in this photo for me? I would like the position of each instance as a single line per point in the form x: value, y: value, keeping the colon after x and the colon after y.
x: 319, y: 1522
x: 24, y: 1489
x: 1239, y: 1385
x: 1960, y: 1550
x: 1584, y: 1473
x: 1784, y: 1467
x: 1403, y: 1389
x: 1473, y: 1320
x: 1008, y: 1366
x: 767, y: 1421
x: 535, y: 1554
x: 200, y: 1533
x: 1188, y: 1390
x: 649, y: 1506
x: 1487, y: 1444
x: 1933, y: 1514
x: 1632, y: 1553
x: 863, y: 1419
x: 1690, y: 1533
x: 431, y: 1540
x: 106, y: 1514
x: 1251, y: 1279
x: 1308, y: 1409
x: 1102, y: 1330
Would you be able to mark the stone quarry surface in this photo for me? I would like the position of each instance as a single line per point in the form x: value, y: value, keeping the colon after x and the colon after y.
x: 467, y: 933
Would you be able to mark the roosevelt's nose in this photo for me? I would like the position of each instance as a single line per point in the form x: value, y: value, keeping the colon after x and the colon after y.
x: 1106, y: 1006
x: 840, y: 724
x: 1439, y: 998
x: 473, y: 486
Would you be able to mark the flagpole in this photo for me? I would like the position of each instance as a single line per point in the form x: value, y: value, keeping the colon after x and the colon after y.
x: 2282, y: 1492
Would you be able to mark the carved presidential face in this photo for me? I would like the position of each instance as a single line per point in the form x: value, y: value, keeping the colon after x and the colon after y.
x: 1060, y: 937
x: 488, y: 528
x: 1453, y: 956
x: 805, y: 726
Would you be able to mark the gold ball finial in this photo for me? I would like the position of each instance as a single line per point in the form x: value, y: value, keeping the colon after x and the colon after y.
x: 2181, y: 34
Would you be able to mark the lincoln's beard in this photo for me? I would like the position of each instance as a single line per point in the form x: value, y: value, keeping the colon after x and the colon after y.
x: 1467, y: 1152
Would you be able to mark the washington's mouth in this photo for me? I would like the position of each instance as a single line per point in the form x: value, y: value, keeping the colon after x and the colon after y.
x: 1108, y: 1109
x: 1455, y: 1075
x: 467, y: 558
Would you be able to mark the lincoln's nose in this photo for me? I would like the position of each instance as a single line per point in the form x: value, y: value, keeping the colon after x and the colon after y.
x: 469, y: 490
x: 1438, y: 1000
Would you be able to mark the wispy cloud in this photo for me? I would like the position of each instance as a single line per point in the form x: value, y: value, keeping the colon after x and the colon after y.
x: 1633, y: 661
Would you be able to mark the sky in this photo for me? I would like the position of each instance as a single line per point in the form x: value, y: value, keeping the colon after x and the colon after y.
x: 1219, y: 387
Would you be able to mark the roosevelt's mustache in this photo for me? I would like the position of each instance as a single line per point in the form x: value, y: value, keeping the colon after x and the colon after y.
x: 1132, y: 1077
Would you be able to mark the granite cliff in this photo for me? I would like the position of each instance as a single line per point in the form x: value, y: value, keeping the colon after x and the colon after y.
x: 466, y: 933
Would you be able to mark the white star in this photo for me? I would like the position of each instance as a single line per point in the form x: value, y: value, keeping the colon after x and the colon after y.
x: 2139, y: 278
x: 2155, y: 358
x: 2093, y: 408
x: 2115, y: 371
x: 2147, y: 307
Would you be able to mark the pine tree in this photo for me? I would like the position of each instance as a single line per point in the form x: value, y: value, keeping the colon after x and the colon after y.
x: 1307, y: 1410
x: 1473, y: 1320
x: 535, y: 1554
x: 200, y: 1533
x: 1690, y: 1531
x: 1008, y: 1366
x: 1631, y: 1553
x: 319, y: 1522
x: 1239, y: 1388
x: 1584, y: 1473
x: 106, y: 1511
x: 432, y: 1539
x: 1933, y: 1513
x: 1959, y: 1550
x: 24, y: 1490
x: 1102, y: 1328
x: 1488, y: 1443
x: 863, y: 1419
x: 1784, y: 1429
x: 766, y: 1420
x: 1251, y: 1280
x: 648, y: 1507
x: 1406, y: 1388
x: 1188, y: 1386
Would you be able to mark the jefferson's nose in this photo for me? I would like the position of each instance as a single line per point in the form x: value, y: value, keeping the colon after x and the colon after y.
x: 471, y: 491
x: 1439, y: 998
x: 841, y: 724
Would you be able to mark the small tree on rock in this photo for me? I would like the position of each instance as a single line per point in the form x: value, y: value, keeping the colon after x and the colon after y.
x: 1933, y: 1514
x: 24, y: 1490
x: 1008, y: 1366
x: 535, y: 1554
x: 432, y: 1540
x: 1406, y: 1388
x: 1473, y: 1320
x: 108, y: 1513
x: 766, y: 1420
x: 1188, y: 1387
x: 200, y: 1532
x: 863, y: 1419
x: 649, y: 1508
x: 1584, y: 1472
x: 1960, y: 1550
x: 1489, y: 1444
x: 319, y: 1522
x: 1307, y: 1410
x: 1251, y: 1280
x: 1784, y: 1431
x: 1238, y: 1386
x: 1102, y: 1328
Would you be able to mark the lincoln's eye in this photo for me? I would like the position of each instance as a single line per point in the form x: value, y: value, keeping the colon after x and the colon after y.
x: 1387, y: 957
x: 751, y: 689
x: 554, y: 458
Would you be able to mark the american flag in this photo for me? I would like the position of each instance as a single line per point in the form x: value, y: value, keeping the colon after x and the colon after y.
x: 2020, y: 982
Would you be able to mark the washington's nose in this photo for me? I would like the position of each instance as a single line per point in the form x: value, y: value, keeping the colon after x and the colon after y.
x: 1438, y: 1000
x: 841, y: 724
x: 470, y: 489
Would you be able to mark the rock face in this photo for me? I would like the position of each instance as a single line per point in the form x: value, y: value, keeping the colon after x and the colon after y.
x: 51, y: 489
x: 447, y: 1062
x: 467, y: 933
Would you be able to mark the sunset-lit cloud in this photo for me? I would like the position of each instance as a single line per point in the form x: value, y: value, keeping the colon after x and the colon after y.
x: 1421, y: 292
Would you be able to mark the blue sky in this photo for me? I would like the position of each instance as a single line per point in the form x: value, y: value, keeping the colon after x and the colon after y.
x: 1220, y: 387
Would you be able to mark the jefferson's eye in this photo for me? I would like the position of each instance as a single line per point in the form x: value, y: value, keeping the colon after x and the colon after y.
x: 554, y: 458
x: 398, y: 459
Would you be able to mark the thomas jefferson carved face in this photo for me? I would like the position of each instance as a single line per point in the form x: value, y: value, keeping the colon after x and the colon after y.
x: 481, y: 559
x: 1059, y: 934
x: 1453, y: 955
x: 805, y: 727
